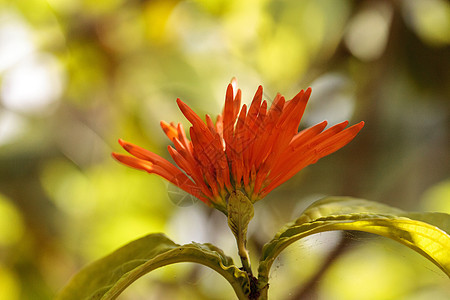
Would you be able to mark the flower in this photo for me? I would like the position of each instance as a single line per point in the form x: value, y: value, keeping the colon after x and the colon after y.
x: 252, y: 149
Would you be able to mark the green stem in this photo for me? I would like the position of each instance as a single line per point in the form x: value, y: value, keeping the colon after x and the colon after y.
x: 243, y: 254
x: 262, y: 284
x: 240, y: 212
x: 263, y: 295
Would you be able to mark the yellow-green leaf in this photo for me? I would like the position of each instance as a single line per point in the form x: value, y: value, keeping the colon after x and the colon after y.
x: 335, y: 213
x: 109, y: 276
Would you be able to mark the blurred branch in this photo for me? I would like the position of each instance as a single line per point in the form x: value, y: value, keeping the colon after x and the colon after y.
x: 308, y: 290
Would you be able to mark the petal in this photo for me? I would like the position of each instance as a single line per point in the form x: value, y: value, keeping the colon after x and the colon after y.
x: 237, y: 103
x: 144, y: 154
x: 210, y: 124
x: 307, y: 134
x: 134, y: 162
x: 190, y: 169
x: 312, y: 155
x: 338, y: 141
x: 190, y: 114
x: 169, y: 130
x: 228, y: 119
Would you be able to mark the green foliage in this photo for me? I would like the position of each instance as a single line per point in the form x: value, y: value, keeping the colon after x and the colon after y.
x: 343, y: 213
x: 426, y: 233
x: 109, y: 276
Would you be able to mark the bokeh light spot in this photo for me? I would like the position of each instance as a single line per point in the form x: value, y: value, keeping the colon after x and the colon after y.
x: 367, y: 33
x: 15, y: 40
x: 33, y: 85
x: 9, y: 285
x: 437, y: 197
x: 11, y: 224
x: 11, y: 126
x: 430, y: 19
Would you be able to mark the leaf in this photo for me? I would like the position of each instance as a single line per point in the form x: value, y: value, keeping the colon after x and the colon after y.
x: 109, y: 276
x: 356, y: 214
x: 240, y: 213
x: 440, y: 220
x: 344, y: 205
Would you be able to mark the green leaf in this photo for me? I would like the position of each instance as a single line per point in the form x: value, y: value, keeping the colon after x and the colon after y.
x: 109, y: 276
x: 339, y: 213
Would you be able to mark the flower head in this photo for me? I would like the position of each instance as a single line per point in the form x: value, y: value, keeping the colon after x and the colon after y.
x: 252, y: 149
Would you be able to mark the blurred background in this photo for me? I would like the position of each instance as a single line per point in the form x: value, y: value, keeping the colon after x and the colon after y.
x: 77, y: 75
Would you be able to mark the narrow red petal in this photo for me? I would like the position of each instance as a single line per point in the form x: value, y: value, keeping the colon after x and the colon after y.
x: 339, y: 140
x: 239, y: 142
x: 237, y: 103
x: 301, y: 148
x: 307, y: 134
x: 228, y: 119
x: 190, y: 169
x: 169, y: 130
x: 134, y: 162
x: 210, y: 124
x: 190, y: 114
x: 183, y: 139
x: 178, y: 178
x: 270, y: 133
x: 254, y: 108
x: 144, y: 154
x: 322, y: 149
x: 219, y: 125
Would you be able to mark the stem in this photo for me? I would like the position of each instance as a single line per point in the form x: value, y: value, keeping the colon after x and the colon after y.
x: 240, y: 212
x: 263, y: 295
x: 243, y: 254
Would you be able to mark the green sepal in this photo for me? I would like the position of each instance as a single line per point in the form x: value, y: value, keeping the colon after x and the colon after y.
x: 240, y: 213
x: 426, y: 233
x: 109, y: 276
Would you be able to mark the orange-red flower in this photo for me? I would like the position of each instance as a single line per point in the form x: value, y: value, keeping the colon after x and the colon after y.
x: 252, y: 149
